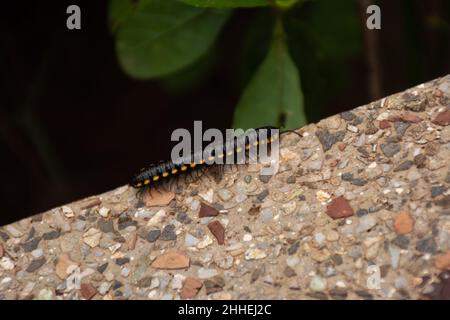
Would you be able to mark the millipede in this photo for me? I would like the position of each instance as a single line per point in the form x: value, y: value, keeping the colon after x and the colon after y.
x: 167, y: 172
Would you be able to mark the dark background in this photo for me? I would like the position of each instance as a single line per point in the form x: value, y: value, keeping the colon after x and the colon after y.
x: 72, y: 124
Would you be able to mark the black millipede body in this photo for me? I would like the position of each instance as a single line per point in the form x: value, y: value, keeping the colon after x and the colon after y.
x: 166, y: 172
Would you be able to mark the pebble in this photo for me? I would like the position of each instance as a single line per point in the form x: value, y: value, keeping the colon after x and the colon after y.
x: 208, y: 196
x: 158, y: 198
x: 177, y: 281
x: 204, y: 273
x: 403, y: 223
x: 65, y: 266
x: 442, y: 261
x: 254, y: 254
x: 190, y: 240
x: 104, y: 212
x: 87, y: 291
x: 427, y: 245
x: 207, y: 211
x: 206, y: 241
x: 225, y: 195
x: 171, y: 260
x: 153, y: 235
x: 35, y: 264
x: 217, y: 230
x: 390, y: 149
x: 443, y: 118
x: 157, y: 218
x: 92, y: 237
x: 104, y: 288
x: 168, y: 233
x: 6, y: 263
x: 191, y: 287
x: 45, y: 294
x: 365, y: 223
x: 318, y: 284
x: 266, y: 215
x: 339, y: 208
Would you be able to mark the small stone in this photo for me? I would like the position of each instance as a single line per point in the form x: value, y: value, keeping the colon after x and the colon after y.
x: 225, y: 195
x: 52, y: 235
x: 45, y: 294
x: 215, y: 284
x: 401, y: 127
x: 266, y: 215
x: 262, y: 195
x: 403, y: 223
x: 183, y: 218
x: 322, y: 196
x: 208, y: 196
x: 102, y: 267
x: 206, y: 241
x: 404, y: 166
x: 92, y: 237
x: 359, y: 182
x: 427, y: 245
x: 105, y: 225
x: 443, y: 261
x: 328, y: 139
x: 384, y: 124
x: 158, y: 198
x: 87, y: 291
x: 168, y: 233
x: 191, y: 287
x: 36, y: 264
x: 437, y: 191
x: 204, y: 273
x: 390, y: 149
x: 217, y: 230
x: 6, y: 263
x: 104, y: 212
x: 289, y: 272
x: 339, y: 208
x: 131, y: 241
x: 146, y: 282
x: 362, y: 212
x: 125, y: 272
x: 419, y: 161
x: 293, y: 248
x: 177, y: 281
x: 207, y: 211
x: 122, y: 261
x: 264, y: 178
x: 190, y: 240
x: 254, y: 254
x: 104, y: 288
x: 171, y: 260
x: 247, y: 237
x: 401, y: 241
x: 157, y: 218
x: 318, y: 284
x: 332, y: 235
x: 365, y: 223
x: 153, y: 235
x: 31, y: 244
x: 67, y: 211
x: 13, y: 231
x: 64, y: 266
x: 443, y: 118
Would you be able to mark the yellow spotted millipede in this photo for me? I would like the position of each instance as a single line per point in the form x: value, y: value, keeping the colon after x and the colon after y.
x: 161, y: 174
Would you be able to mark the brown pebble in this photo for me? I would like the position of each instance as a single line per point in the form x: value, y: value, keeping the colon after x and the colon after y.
x: 131, y: 241
x: 171, y: 260
x: 63, y: 266
x: 384, y: 124
x: 91, y: 203
x: 410, y: 117
x: 334, y: 162
x: 158, y: 198
x: 342, y: 146
x: 443, y: 118
x: 207, y: 211
x: 217, y: 230
x: 339, y: 208
x: 403, y: 223
x: 191, y: 287
x: 87, y: 291
x: 443, y: 261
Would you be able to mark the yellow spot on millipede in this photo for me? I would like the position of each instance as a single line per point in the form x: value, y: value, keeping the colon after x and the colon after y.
x: 155, y: 178
x: 165, y: 174
x: 147, y: 181
x: 193, y: 165
x: 210, y: 158
x: 220, y: 156
x: 174, y: 171
x: 247, y: 147
x: 139, y: 185
x: 239, y: 149
x: 183, y: 168
x: 255, y: 143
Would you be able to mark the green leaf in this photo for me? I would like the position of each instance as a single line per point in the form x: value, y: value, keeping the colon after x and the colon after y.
x: 274, y: 94
x: 160, y: 37
x: 119, y: 11
x: 227, y: 3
